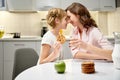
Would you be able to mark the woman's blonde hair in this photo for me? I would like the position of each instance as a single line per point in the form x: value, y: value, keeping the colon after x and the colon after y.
x: 53, y: 14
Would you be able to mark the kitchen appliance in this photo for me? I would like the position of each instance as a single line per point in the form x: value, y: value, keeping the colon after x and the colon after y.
x: 16, y: 34
x: 116, y: 50
x: 43, y: 31
x: 44, y: 27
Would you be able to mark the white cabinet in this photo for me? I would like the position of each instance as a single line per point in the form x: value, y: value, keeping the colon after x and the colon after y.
x: 2, y: 4
x: 9, y: 51
x: 92, y: 5
x: 47, y: 4
x: 107, y: 5
x: 22, y: 5
x: 1, y: 60
x: 66, y: 3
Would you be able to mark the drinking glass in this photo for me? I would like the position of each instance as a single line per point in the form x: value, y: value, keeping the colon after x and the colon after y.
x: 1, y: 31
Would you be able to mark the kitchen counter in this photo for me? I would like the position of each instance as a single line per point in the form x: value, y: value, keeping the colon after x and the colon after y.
x: 8, y: 38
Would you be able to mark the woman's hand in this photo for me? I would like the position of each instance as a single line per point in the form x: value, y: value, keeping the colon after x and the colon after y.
x: 77, y: 43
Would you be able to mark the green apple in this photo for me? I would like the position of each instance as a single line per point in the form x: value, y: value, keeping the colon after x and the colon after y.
x: 60, y: 66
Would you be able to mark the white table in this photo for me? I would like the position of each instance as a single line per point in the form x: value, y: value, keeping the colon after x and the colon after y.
x: 104, y: 71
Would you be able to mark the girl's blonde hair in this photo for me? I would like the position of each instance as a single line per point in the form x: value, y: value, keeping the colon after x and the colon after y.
x: 53, y: 14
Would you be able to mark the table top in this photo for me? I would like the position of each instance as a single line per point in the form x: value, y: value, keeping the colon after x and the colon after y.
x: 103, y: 71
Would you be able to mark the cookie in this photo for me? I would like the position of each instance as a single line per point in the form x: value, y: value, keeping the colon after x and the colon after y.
x: 87, y: 67
x: 61, y: 37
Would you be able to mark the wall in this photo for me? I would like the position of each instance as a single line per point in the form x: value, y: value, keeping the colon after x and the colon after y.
x: 114, y: 21
x: 26, y: 23
x: 29, y: 24
x: 109, y: 22
x: 102, y: 22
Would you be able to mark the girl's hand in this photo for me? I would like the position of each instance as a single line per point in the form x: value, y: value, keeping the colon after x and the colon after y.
x: 57, y: 47
x: 77, y: 44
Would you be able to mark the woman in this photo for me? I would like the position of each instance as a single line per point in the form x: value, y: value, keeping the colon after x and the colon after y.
x: 87, y: 41
x: 50, y: 47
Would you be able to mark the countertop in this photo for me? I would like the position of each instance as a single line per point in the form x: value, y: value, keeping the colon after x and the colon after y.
x: 8, y: 38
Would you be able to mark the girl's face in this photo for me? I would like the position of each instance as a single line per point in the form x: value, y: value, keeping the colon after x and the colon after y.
x: 73, y: 19
x: 63, y: 23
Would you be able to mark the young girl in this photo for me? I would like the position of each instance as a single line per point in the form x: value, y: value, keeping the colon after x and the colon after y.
x: 50, y: 47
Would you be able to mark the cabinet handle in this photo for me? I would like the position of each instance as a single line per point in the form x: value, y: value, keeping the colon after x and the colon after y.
x: 108, y: 6
x: 19, y: 44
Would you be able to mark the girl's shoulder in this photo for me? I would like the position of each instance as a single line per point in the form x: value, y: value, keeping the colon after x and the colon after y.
x: 48, y: 38
x: 48, y: 34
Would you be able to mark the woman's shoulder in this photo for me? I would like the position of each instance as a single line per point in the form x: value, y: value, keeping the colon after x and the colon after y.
x: 94, y: 30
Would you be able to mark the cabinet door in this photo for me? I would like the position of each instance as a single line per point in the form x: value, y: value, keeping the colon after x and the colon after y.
x: 86, y: 3
x: 47, y: 4
x: 2, y: 4
x: 107, y: 5
x: 66, y: 3
x: 1, y: 60
x: 92, y: 5
x: 9, y: 52
x: 11, y: 47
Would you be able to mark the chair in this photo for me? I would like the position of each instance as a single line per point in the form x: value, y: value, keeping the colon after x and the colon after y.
x: 24, y: 59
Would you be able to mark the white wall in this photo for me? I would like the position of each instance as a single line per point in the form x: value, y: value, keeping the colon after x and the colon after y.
x: 27, y: 23
x: 30, y: 23
x: 114, y: 21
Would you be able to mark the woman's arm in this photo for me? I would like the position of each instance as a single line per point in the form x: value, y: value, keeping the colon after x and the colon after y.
x: 83, y: 55
x: 101, y: 52
x: 96, y: 52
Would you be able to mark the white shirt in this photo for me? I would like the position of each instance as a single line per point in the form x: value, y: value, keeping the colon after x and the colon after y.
x: 92, y: 36
x: 50, y: 39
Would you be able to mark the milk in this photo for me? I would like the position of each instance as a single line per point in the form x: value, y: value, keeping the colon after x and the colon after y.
x: 116, y: 50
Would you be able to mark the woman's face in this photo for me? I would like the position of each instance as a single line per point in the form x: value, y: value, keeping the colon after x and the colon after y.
x: 72, y: 18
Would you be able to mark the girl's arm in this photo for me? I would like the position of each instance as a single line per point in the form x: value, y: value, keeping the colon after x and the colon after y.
x: 45, y: 56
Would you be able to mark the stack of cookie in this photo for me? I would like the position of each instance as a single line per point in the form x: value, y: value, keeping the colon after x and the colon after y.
x: 88, y: 67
